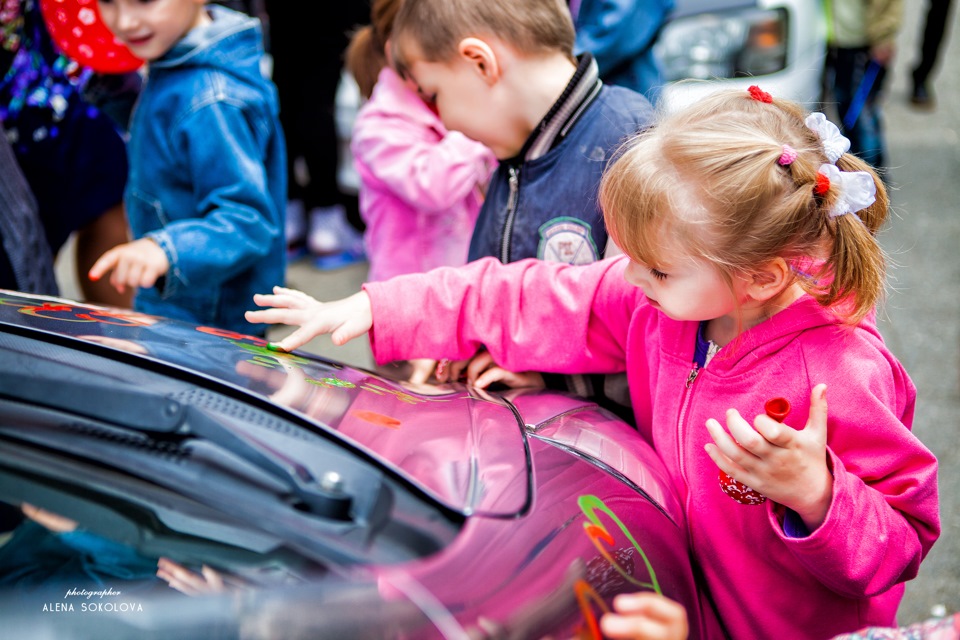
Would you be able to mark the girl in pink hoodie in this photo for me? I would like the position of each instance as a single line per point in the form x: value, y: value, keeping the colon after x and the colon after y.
x: 751, y: 272
x: 420, y: 185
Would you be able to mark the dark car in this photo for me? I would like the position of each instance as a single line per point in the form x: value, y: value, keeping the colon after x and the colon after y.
x: 314, y: 500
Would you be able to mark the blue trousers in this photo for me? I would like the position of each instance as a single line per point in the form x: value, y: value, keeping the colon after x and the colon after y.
x: 845, y: 70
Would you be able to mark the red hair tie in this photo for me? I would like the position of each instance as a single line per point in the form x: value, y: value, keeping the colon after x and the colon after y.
x: 823, y: 185
x: 758, y: 94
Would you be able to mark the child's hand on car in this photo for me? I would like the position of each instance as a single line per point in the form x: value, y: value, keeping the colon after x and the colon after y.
x: 645, y: 616
x: 343, y: 319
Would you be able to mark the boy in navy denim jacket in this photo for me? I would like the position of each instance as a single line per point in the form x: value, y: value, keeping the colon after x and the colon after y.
x: 206, y: 192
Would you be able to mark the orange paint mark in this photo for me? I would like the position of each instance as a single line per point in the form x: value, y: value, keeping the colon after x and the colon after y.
x: 232, y: 335
x: 376, y: 418
x: 587, y: 596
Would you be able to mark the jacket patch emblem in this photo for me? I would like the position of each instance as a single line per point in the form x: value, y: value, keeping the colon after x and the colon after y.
x: 568, y: 240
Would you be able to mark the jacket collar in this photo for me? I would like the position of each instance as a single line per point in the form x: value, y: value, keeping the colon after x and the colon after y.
x: 231, y: 35
x: 679, y: 338
x: 579, y: 93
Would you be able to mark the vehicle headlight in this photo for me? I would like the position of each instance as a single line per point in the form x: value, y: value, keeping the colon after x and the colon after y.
x: 724, y: 45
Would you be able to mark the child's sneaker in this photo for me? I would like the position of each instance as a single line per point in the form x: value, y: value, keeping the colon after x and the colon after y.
x: 295, y: 230
x: 332, y: 240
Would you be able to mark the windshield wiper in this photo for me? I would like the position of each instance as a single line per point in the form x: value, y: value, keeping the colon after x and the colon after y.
x: 99, y: 397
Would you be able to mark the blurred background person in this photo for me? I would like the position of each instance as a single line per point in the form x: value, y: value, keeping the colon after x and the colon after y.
x: 308, y: 61
x: 26, y: 263
x: 931, y: 43
x: 861, y: 43
x: 620, y: 34
x: 421, y: 186
x: 72, y: 157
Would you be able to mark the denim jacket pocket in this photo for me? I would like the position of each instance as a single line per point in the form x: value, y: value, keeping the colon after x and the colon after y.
x: 145, y: 212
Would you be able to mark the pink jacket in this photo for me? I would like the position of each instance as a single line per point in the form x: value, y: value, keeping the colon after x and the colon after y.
x: 419, y: 183
x: 848, y: 573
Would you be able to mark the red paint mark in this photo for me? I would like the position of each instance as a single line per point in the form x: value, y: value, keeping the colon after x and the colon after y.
x: 586, y: 597
x: 232, y: 335
x: 376, y: 418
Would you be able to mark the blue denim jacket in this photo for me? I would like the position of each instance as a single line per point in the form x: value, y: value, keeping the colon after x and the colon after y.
x: 208, y: 177
x: 543, y: 202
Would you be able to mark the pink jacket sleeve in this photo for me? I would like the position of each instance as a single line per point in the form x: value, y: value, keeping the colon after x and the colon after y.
x: 531, y: 315
x: 427, y: 172
x: 884, y: 517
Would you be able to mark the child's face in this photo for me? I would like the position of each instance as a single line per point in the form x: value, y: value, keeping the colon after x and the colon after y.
x: 150, y: 28
x: 690, y: 289
x: 464, y: 102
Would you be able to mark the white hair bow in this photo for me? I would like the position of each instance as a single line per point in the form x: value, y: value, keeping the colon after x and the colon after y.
x: 834, y: 142
x: 856, y: 190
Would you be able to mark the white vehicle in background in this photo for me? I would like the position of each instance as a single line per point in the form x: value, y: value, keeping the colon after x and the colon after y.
x: 779, y: 45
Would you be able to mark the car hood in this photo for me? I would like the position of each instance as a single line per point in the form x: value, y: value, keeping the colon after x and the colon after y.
x: 464, y: 449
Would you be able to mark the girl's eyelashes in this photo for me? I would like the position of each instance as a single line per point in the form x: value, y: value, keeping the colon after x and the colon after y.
x: 656, y: 273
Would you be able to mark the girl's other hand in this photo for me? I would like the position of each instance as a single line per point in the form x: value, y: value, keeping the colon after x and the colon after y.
x: 343, y: 319
x: 786, y: 465
x: 481, y: 371
x: 421, y: 370
x: 645, y: 616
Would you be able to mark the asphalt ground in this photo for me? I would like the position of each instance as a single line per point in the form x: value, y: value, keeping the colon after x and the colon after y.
x: 920, y: 319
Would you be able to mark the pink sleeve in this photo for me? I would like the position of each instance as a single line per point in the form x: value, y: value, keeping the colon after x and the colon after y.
x: 427, y: 172
x: 884, y: 517
x: 531, y: 315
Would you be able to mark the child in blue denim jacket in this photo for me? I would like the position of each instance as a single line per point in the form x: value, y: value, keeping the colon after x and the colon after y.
x: 206, y: 192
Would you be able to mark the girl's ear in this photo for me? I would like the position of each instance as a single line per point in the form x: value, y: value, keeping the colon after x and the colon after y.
x: 481, y: 58
x: 770, y: 280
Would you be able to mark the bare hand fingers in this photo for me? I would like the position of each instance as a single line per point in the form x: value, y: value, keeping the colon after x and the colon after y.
x: 743, y: 433
x: 348, y: 330
x: 275, y: 315
x: 295, y: 340
x: 120, y: 274
x: 279, y: 301
x: 180, y: 578
x: 456, y: 368
x: 646, y: 615
x: 723, y: 441
x: 104, y: 263
x: 524, y: 380
x: 492, y: 375
x: 421, y: 369
x: 817, y: 420
x: 213, y: 578
x: 478, y: 364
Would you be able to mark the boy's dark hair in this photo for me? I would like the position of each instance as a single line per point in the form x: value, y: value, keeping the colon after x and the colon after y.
x: 435, y: 27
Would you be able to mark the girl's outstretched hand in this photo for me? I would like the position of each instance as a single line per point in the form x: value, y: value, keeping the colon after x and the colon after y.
x: 786, y: 465
x: 645, y: 616
x: 343, y: 319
